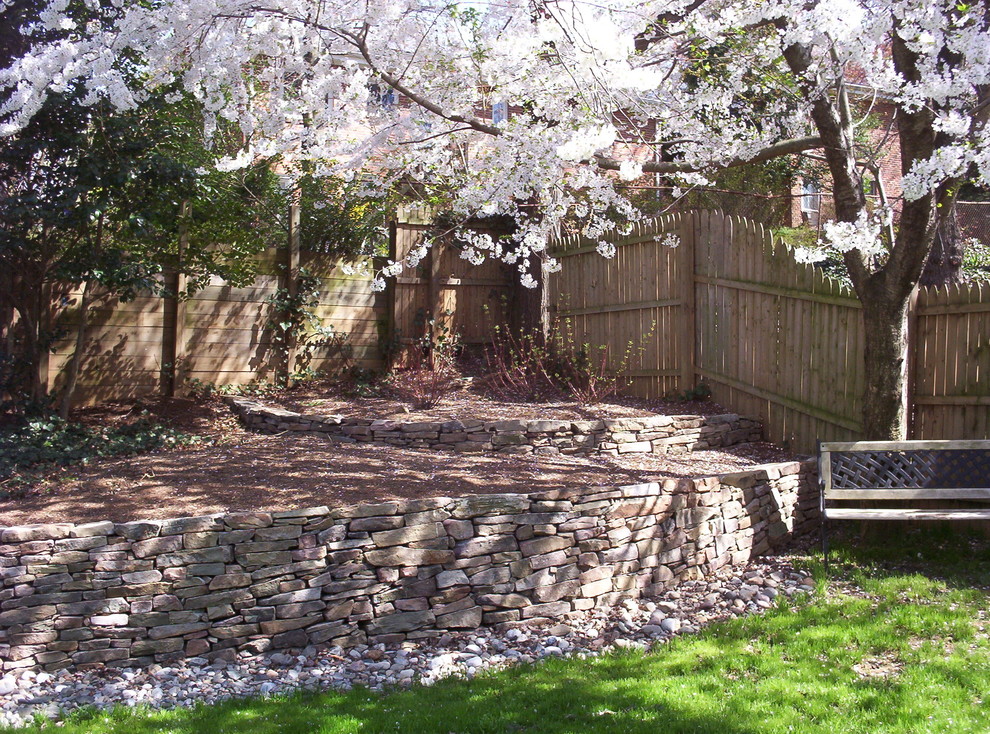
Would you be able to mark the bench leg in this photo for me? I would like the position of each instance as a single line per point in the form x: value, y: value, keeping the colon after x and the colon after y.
x: 825, y: 541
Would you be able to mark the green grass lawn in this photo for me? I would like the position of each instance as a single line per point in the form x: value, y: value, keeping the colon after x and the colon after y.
x: 894, y: 641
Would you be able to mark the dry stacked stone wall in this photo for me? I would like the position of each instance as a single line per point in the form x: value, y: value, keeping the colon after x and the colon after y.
x: 647, y: 434
x: 128, y: 594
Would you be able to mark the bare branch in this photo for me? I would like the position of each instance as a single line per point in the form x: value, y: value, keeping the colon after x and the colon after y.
x: 434, y: 136
x: 396, y: 84
x: 786, y: 147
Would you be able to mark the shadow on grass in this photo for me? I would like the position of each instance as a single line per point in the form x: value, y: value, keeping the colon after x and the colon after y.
x: 902, y: 653
x: 606, y: 695
x: 959, y: 556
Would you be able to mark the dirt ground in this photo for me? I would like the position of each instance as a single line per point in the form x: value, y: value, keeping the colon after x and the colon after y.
x: 243, y: 470
x: 473, y: 402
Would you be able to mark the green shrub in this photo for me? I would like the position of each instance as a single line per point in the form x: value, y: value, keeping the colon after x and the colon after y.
x: 976, y: 260
x: 49, y: 441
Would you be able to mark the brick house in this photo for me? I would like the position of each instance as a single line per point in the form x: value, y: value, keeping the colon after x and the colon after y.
x: 811, y: 202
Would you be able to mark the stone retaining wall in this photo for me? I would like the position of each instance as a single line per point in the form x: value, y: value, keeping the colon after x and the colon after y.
x: 139, y: 592
x: 647, y: 434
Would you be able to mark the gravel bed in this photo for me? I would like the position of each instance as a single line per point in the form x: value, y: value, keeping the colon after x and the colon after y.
x: 642, y: 623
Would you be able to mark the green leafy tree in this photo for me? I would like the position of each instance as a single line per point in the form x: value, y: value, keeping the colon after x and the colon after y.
x: 92, y: 198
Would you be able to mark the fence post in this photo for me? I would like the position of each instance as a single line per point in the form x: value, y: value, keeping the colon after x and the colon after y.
x: 435, y: 302
x: 174, y: 306
x: 46, y: 319
x: 292, y: 282
x: 689, y: 326
x: 910, y: 364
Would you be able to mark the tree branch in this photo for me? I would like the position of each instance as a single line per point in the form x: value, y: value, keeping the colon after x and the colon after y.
x: 396, y: 84
x: 838, y: 145
x: 786, y: 147
x: 607, y: 163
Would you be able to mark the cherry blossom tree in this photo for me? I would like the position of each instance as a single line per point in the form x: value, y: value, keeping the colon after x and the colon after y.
x: 600, y: 91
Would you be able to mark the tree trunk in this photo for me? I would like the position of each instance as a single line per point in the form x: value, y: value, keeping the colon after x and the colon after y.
x: 73, y: 377
x: 529, y: 307
x: 25, y: 290
x: 885, y: 321
x: 35, y: 342
x: 944, y: 264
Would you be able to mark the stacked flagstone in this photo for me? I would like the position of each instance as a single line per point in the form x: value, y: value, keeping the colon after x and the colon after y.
x: 647, y: 434
x: 635, y: 623
x: 152, y: 591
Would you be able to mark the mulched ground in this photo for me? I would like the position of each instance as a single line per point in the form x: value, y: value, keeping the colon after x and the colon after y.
x: 472, y: 401
x: 243, y: 470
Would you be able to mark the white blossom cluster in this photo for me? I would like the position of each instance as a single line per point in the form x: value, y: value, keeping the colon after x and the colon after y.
x: 863, y: 235
x: 400, y: 91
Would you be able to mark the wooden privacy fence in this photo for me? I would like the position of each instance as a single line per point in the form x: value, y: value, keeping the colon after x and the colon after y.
x: 731, y: 308
x: 222, y: 334
x: 444, y: 287
x: 950, y: 362
x: 769, y: 336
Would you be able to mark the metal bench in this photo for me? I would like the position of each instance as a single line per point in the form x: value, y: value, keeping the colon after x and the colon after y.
x: 893, y: 473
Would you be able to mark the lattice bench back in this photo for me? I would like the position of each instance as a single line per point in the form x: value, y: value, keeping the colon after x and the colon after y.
x: 895, y: 471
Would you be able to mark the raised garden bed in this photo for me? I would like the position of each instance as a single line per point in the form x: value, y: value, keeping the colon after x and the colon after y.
x: 641, y: 434
x: 280, y: 472
x: 475, y: 402
x: 205, y: 551
x: 234, y: 468
x: 212, y: 586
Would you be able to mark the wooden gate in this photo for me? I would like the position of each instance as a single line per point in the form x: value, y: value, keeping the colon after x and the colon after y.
x: 444, y: 288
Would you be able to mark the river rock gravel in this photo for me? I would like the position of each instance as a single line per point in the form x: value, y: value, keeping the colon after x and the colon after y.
x: 635, y: 623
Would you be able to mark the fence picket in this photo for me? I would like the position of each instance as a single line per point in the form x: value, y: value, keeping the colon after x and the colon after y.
x: 760, y: 342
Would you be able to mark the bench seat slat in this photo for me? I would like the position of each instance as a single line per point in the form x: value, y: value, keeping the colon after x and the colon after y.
x: 894, y: 493
x: 855, y: 513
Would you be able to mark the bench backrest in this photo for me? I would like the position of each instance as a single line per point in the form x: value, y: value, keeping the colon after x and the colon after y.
x: 898, y: 470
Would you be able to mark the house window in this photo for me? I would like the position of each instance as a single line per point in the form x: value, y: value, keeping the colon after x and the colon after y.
x: 811, y: 202
x: 500, y: 112
x: 810, y: 197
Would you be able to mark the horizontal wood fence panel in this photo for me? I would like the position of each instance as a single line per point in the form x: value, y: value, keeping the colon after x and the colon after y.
x: 121, y: 349
x: 350, y: 328
x: 215, y: 377
x: 222, y: 335
x: 264, y: 363
x: 136, y: 378
x: 115, y: 322
x: 115, y: 392
x: 257, y: 292
x: 213, y: 307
